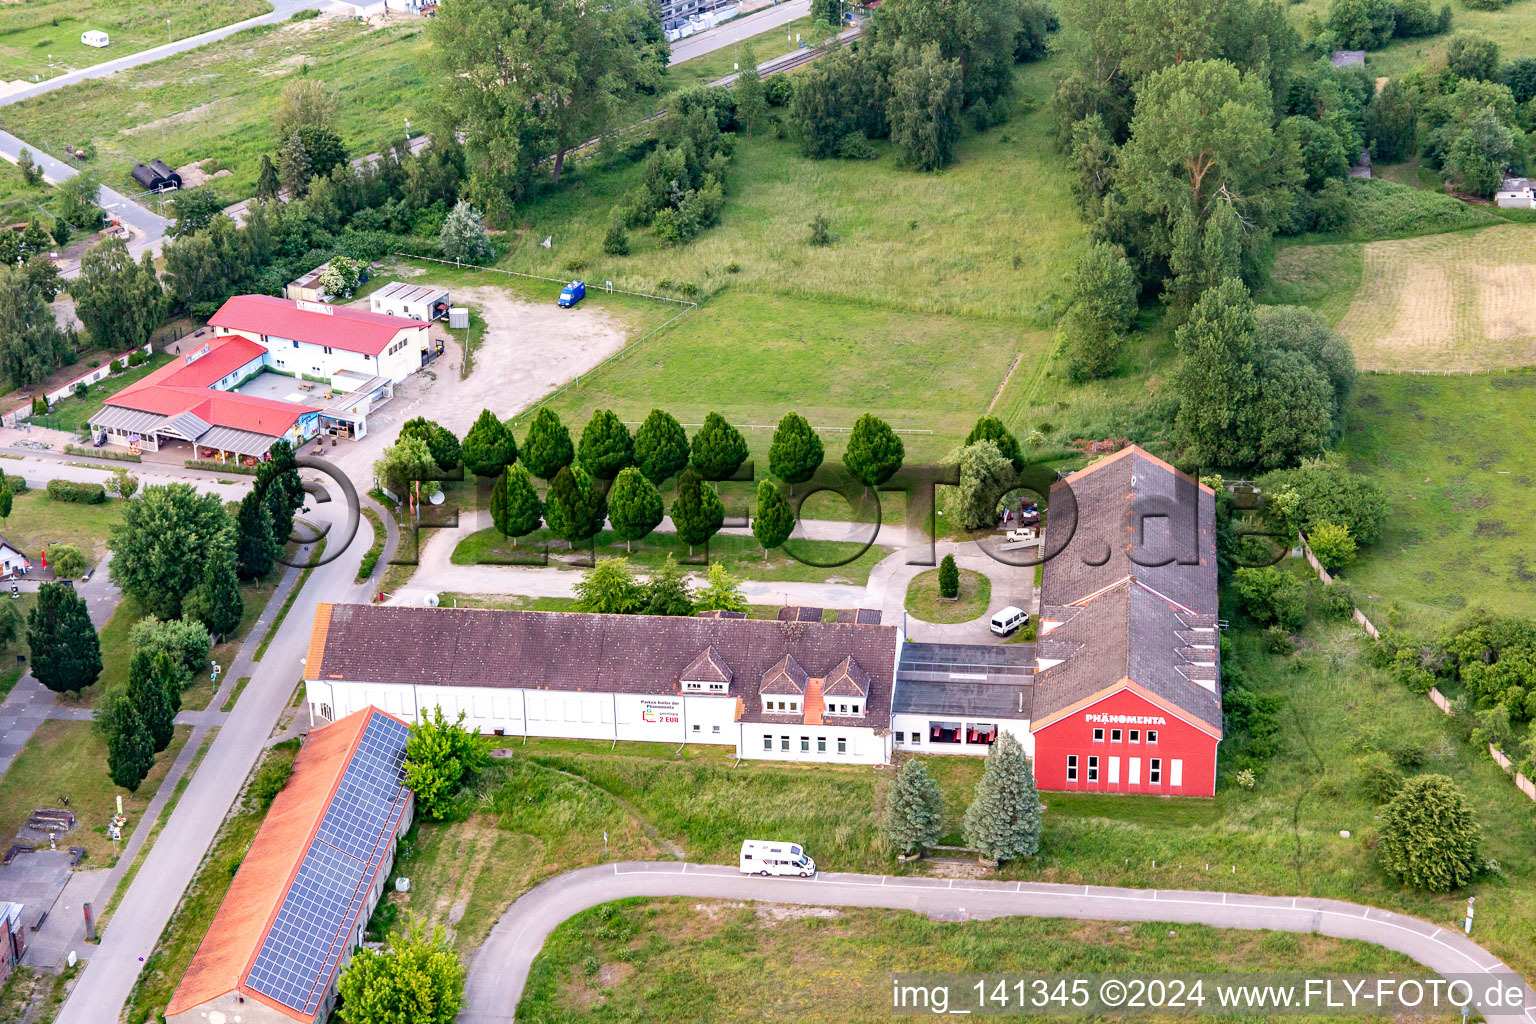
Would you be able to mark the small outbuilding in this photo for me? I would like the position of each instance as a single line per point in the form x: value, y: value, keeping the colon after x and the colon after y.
x: 458, y: 318
x: 1517, y: 193
x: 155, y: 176
x: 413, y: 301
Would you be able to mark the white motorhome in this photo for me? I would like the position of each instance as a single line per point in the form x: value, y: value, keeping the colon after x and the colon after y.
x: 94, y: 37
x: 766, y: 857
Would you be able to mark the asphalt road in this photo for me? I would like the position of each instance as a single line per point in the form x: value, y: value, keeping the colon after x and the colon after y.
x: 167, y: 870
x: 500, y: 971
x: 741, y: 28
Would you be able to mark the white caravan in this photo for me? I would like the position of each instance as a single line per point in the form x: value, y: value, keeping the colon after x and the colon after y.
x: 764, y: 857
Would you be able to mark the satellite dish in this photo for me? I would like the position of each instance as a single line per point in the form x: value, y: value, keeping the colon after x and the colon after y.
x: 431, y: 601
x: 402, y: 885
x: 438, y: 497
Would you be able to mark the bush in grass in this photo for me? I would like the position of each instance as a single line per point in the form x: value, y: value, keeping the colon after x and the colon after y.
x: 616, y: 241
x: 821, y: 231
x: 440, y: 757
x: 1272, y: 596
x: 1336, y: 600
x: 1385, y: 209
x: 1380, y: 778
x: 77, y: 493
x: 949, y: 578
x: 1429, y: 838
x: 1332, y: 545
x: 186, y: 640
x: 269, y: 780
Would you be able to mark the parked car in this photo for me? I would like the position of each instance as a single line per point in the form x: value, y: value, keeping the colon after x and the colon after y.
x: 1008, y: 620
x: 767, y: 857
x: 572, y: 294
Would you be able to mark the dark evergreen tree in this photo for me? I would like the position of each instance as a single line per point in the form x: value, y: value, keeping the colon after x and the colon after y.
x: 489, y: 447
x: 667, y: 591
x: 697, y: 513
x: 796, y: 452
x: 254, y: 546
x: 149, y: 692
x: 718, y: 449
x: 130, y: 748
x: 606, y: 446
x: 267, y: 185
x: 990, y: 428
x: 1429, y: 836
x: 874, y: 452
x: 634, y: 505
x: 573, y: 506
x: 774, y: 521
x: 547, y: 449
x: 1003, y: 821
x: 515, y: 506
x: 949, y: 577
x: 661, y: 446
x: 914, y: 810
x: 441, y: 441
x: 216, y: 602
x: 66, y: 653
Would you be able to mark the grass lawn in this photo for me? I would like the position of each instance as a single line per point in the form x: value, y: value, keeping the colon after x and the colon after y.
x: 923, y: 599
x: 742, y: 555
x: 18, y: 200
x: 11, y: 667
x: 710, y: 67
x: 33, y: 33
x: 74, y: 413
x: 686, y: 959
x: 69, y: 758
x: 37, y: 522
x: 215, y: 103
x: 508, y: 602
x: 1455, y: 535
x: 371, y: 556
x: 1512, y: 27
x: 187, y: 926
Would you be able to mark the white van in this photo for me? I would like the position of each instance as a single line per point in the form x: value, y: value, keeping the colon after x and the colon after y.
x: 765, y: 857
x: 1008, y: 620
x: 94, y: 37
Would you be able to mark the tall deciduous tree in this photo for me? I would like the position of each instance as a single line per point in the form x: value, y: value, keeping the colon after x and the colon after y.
x: 1214, y: 380
x: 874, y: 452
x: 65, y: 651
x: 216, y: 601
x: 697, y: 513
x: 774, y: 521
x: 303, y: 103
x: 31, y: 344
x: 573, y: 506
x: 661, y: 446
x: 417, y: 978
x: 547, y: 449
x: 165, y: 541
x: 1103, y: 309
x: 522, y: 81
x: 130, y: 748
x: 796, y: 451
x: 444, y: 447
x: 120, y: 302
x: 151, y: 680
x: 914, y: 809
x: 751, y: 104
x: 440, y: 757
x: 718, y: 449
x: 1429, y: 837
x: 404, y: 464
x: 667, y: 591
x: 463, y: 236
x: 294, y: 168
x: 926, y: 92
x: 1003, y: 821
x: 515, y: 506
x: 634, y: 505
x: 606, y: 446
x: 489, y: 447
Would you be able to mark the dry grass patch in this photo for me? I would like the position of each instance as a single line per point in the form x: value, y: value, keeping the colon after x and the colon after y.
x: 1454, y: 302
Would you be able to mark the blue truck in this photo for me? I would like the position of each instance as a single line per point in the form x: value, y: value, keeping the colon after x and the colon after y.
x: 572, y: 294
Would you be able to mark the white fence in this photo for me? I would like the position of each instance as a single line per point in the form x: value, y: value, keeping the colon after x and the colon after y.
x: 95, y: 376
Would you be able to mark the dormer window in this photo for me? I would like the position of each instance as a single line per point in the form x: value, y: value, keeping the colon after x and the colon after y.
x: 842, y: 708
x: 708, y: 673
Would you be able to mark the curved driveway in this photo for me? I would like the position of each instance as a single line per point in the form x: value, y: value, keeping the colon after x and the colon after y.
x: 500, y: 970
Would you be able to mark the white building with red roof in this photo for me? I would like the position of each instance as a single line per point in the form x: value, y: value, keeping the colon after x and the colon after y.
x: 314, y: 339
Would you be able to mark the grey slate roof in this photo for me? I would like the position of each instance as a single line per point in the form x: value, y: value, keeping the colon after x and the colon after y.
x: 708, y: 667
x: 125, y: 420
x: 786, y: 676
x: 965, y: 680
x: 1138, y: 562
x: 574, y: 651
x: 848, y: 679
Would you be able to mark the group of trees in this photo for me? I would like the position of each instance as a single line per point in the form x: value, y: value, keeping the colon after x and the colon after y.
x: 1371, y: 24
x: 265, y: 520
x: 1002, y: 823
x: 922, y: 68
x: 611, y: 588
x: 139, y: 720
x: 683, y: 188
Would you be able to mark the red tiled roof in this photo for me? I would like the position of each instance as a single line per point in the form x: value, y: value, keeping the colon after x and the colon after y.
x: 180, y: 387
x: 258, y: 888
x: 355, y: 330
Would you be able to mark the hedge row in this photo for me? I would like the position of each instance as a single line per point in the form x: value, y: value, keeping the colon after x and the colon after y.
x: 76, y: 492
x: 97, y: 453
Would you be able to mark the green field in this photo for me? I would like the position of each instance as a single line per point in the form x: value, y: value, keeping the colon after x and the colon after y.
x: 39, y: 31
x: 1457, y: 534
x: 923, y: 599
x: 37, y: 521
x: 216, y: 102
x: 1513, y: 28
x: 677, y: 960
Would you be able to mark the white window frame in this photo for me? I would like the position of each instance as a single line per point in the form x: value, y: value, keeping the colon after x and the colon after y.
x: 1155, y: 772
x: 1093, y: 768
x: 1071, y: 767
x: 1098, y: 735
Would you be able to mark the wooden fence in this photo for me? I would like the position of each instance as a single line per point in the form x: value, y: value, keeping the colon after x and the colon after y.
x: 1499, y: 758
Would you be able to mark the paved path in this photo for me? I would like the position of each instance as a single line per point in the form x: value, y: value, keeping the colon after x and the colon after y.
x: 168, y: 868
x: 736, y: 30
x: 500, y: 971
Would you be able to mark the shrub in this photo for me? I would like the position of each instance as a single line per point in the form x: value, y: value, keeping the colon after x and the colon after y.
x: 854, y: 146
x: 778, y: 90
x: 77, y: 493
x: 1245, y: 779
x: 1380, y: 778
x: 616, y: 242
x: 1272, y: 596
x: 1336, y: 600
x: 575, y: 265
x: 1332, y: 544
x: 1278, y: 641
x: 137, y: 357
x: 949, y: 577
x: 1429, y: 838
x: 270, y: 779
x: 821, y: 231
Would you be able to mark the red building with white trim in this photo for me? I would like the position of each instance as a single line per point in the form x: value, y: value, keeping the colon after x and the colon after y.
x: 1127, y: 694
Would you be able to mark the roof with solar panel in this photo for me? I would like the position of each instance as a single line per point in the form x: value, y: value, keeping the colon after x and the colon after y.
x: 296, y: 908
